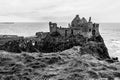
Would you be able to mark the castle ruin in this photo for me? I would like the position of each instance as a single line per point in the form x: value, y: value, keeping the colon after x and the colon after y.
x: 77, y: 26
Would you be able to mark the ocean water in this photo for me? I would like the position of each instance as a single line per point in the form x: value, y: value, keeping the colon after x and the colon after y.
x: 109, y: 31
x: 111, y: 35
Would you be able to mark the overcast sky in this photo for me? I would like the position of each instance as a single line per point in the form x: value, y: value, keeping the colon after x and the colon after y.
x: 59, y: 10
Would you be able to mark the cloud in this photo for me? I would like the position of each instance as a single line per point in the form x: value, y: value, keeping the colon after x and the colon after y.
x: 61, y: 10
x: 15, y: 19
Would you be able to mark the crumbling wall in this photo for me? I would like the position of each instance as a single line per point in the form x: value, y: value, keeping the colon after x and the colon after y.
x: 69, y: 31
x: 41, y: 34
x: 76, y: 21
x: 95, y: 29
x: 64, y: 31
x: 78, y: 26
x: 52, y: 26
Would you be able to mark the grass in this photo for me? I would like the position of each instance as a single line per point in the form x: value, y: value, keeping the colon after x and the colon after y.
x: 65, y: 65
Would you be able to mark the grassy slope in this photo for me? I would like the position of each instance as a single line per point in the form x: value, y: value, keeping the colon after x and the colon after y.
x: 65, y: 65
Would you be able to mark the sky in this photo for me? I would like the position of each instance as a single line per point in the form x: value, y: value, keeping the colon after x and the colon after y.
x: 59, y: 10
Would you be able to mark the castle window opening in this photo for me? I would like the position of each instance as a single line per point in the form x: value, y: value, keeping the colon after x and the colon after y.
x: 93, y: 32
x: 71, y: 31
x: 89, y: 30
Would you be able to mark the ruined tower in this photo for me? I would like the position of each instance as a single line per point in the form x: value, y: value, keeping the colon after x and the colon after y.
x: 52, y: 27
x: 76, y: 21
x: 77, y: 26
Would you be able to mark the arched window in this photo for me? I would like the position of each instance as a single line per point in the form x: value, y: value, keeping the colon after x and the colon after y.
x: 89, y: 30
x: 93, y: 32
x: 72, y: 31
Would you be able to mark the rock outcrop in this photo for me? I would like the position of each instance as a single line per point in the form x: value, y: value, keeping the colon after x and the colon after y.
x: 55, y: 43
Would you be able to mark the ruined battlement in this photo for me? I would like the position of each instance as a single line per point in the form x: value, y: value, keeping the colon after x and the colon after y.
x: 78, y: 26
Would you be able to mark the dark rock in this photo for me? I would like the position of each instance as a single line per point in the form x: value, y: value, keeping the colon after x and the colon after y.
x: 54, y: 42
x: 97, y: 50
x: 12, y: 46
x: 96, y: 39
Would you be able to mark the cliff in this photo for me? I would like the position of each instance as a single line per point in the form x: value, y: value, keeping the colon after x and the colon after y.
x: 54, y: 42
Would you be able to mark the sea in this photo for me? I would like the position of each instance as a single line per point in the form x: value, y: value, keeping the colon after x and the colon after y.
x: 109, y: 31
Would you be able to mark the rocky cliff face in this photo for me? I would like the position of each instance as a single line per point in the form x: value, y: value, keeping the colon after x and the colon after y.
x: 58, y: 58
x: 55, y: 43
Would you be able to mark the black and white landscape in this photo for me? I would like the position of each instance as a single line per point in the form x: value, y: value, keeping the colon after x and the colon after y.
x: 59, y: 40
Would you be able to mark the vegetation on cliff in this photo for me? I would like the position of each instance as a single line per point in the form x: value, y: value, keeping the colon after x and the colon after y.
x: 70, y: 64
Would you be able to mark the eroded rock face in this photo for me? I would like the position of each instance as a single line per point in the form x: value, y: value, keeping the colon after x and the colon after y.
x: 55, y: 43
x: 98, y: 50
x: 12, y: 46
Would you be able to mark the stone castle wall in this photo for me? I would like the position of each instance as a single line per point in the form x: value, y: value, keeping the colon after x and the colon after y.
x: 68, y: 31
x: 86, y: 30
x: 96, y: 29
x: 77, y: 26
